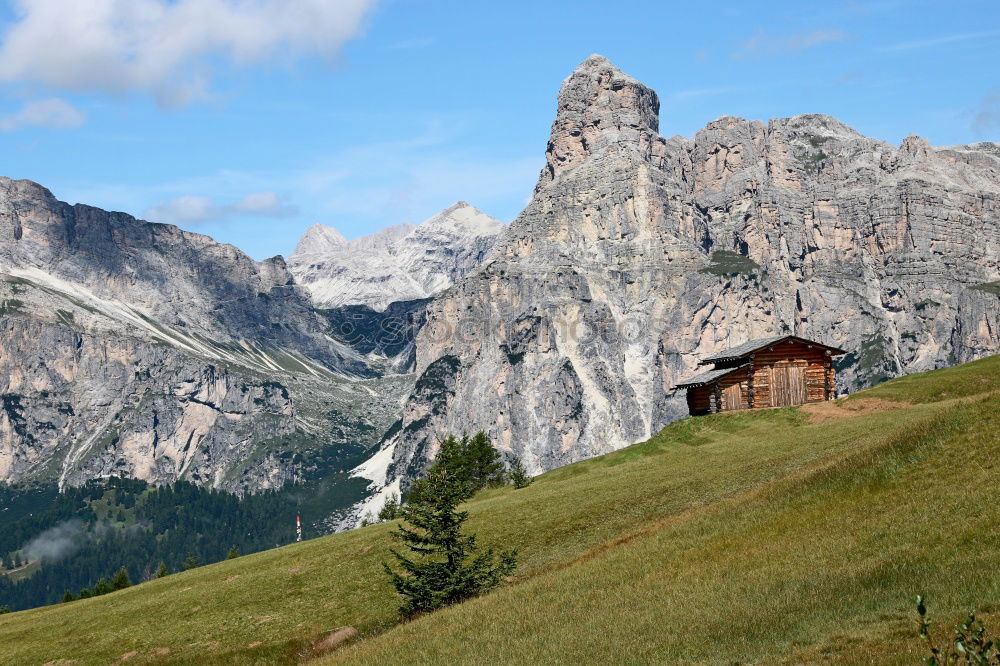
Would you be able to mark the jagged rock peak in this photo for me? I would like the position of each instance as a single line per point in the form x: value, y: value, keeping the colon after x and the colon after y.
x: 398, y: 263
x: 466, y: 219
x: 320, y: 238
x: 915, y: 146
x: 599, y: 108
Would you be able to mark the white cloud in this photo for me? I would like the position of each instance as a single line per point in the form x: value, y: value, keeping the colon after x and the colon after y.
x: 941, y: 40
x: 165, y: 47
x: 52, y: 112
x: 192, y: 210
x: 762, y: 44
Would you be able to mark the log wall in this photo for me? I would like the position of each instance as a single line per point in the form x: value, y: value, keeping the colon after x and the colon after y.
x: 787, y: 373
x: 816, y: 371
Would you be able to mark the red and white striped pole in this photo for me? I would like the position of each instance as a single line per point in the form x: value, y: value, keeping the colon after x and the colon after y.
x: 298, y: 528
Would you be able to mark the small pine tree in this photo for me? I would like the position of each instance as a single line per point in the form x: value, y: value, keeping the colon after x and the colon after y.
x: 471, y: 461
x: 68, y: 597
x: 121, y: 580
x: 189, y: 563
x: 161, y: 570
x: 518, y: 475
x: 102, y: 587
x: 4, y: 609
x: 8, y: 562
x: 85, y: 593
x: 17, y: 560
x: 390, y: 510
x: 485, y: 464
x: 232, y: 554
x: 444, y: 569
x: 367, y: 519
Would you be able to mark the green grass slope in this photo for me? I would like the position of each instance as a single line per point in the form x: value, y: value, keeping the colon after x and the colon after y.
x: 796, y: 535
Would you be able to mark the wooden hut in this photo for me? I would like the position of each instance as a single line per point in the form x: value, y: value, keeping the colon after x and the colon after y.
x: 769, y: 372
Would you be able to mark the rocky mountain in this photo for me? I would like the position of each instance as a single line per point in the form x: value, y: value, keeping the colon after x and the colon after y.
x: 401, y: 263
x: 138, y: 349
x: 640, y: 254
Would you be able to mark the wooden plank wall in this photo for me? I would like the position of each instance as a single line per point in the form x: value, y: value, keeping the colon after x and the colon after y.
x: 734, y: 391
x: 756, y: 387
x: 817, y: 369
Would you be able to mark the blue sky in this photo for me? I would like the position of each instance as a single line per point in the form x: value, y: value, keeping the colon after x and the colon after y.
x: 249, y: 122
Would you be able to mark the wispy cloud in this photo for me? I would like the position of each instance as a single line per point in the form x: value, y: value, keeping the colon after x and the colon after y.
x: 193, y: 210
x: 52, y: 112
x: 764, y: 45
x: 941, y: 40
x: 357, y: 189
x: 166, y: 48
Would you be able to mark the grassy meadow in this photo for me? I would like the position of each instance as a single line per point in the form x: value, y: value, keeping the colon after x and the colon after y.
x: 796, y: 535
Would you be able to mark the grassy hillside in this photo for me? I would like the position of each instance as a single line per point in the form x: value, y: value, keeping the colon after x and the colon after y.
x: 798, y: 533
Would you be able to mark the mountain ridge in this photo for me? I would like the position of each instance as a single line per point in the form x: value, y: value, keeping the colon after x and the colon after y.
x: 404, y: 262
x: 136, y: 348
x: 640, y: 254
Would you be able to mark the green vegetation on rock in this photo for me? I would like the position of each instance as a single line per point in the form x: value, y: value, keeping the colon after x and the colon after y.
x: 988, y: 287
x: 726, y: 263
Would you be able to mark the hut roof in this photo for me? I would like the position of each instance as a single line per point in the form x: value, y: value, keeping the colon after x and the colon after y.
x: 709, y: 377
x: 747, y: 348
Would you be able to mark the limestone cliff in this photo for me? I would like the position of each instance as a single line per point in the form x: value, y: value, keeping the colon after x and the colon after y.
x: 138, y: 349
x: 405, y: 262
x: 640, y: 254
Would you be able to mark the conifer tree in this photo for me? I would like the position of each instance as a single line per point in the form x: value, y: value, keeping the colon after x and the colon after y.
x: 161, y: 570
x: 102, y: 587
x: 442, y: 568
x: 68, y: 597
x: 8, y: 562
x: 390, y: 510
x: 189, y: 563
x: 85, y: 593
x: 17, y: 560
x: 4, y: 609
x: 518, y: 475
x: 121, y: 580
x: 232, y: 554
x: 471, y: 461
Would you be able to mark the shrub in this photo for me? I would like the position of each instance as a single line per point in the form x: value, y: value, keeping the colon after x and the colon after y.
x: 971, y: 644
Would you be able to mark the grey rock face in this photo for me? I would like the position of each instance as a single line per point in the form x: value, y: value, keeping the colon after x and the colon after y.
x: 639, y: 255
x: 138, y: 349
x: 401, y: 263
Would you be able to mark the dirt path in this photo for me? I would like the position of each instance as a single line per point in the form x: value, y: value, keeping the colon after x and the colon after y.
x: 824, y: 412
